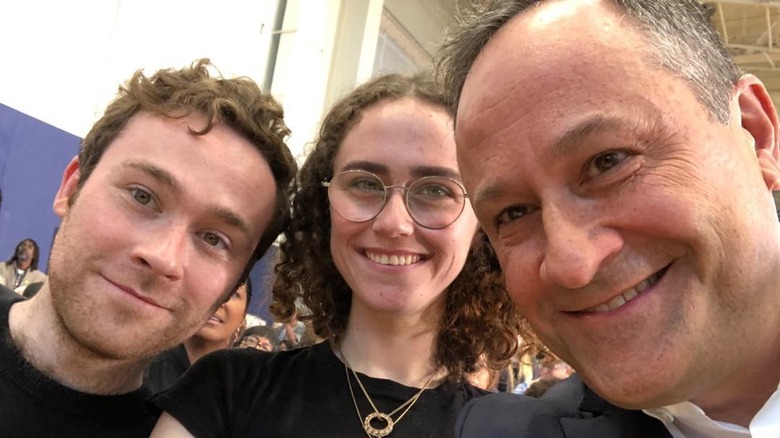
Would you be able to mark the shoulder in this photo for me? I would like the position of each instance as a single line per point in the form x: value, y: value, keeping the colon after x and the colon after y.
x: 36, y: 276
x: 249, y: 363
x: 8, y: 297
x: 505, y: 414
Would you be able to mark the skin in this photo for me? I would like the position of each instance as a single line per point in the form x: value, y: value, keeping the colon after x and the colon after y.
x: 373, y: 145
x: 145, y: 251
x: 219, y: 330
x: 597, y: 173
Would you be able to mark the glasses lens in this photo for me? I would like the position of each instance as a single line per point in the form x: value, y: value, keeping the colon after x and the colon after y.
x: 356, y: 195
x: 435, y: 202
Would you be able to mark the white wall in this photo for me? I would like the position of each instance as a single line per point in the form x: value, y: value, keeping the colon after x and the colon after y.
x: 63, y: 60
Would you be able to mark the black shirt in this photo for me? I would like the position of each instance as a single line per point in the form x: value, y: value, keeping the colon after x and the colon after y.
x: 166, y: 368
x: 299, y: 393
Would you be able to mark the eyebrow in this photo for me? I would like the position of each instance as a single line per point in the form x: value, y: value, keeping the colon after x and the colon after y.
x: 572, y: 139
x: 566, y: 144
x: 165, y: 178
x: 416, y: 171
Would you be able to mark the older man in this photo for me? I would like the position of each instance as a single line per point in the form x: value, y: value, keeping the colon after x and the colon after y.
x: 623, y: 168
x: 177, y: 190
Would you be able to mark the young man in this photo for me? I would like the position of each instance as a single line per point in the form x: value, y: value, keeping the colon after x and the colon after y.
x: 623, y: 168
x: 177, y: 190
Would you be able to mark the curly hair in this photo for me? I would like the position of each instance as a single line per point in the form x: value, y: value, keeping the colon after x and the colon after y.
x: 479, y: 318
x: 36, y: 253
x: 236, y: 102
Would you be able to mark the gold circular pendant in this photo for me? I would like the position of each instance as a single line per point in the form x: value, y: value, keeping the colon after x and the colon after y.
x: 378, y: 433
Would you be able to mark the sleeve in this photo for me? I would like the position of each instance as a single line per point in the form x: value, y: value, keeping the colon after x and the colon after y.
x: 208, y: 397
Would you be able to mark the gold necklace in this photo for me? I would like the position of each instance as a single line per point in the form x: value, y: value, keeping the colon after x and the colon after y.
x: 370, y: 430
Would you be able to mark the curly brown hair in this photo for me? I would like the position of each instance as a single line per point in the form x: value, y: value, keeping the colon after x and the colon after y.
x: 236, y: 102
x: 479, y: 318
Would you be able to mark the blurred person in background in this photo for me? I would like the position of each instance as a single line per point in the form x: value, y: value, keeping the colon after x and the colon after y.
x: 21, y: 269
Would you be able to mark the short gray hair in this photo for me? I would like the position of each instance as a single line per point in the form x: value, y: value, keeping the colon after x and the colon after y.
x: 679, y: 34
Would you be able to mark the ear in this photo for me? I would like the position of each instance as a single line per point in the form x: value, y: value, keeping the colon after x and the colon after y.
x: 759, y: 120
x: 68, y: 188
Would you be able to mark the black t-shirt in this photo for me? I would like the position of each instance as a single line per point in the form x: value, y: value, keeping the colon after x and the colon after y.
x: 33, y: 405
x: 299, y: 393
x: 166, y: 368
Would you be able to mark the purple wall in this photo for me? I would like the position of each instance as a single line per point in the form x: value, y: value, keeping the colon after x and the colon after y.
x: 33, y: 155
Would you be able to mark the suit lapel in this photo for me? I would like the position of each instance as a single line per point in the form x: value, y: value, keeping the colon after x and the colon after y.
x: 600, y: 419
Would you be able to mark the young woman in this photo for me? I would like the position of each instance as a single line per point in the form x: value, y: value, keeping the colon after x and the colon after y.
x: 385, y: 252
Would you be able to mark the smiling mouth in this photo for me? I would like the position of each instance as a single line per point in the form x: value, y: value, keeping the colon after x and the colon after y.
x: 393, y: 260
x: 627, y: 296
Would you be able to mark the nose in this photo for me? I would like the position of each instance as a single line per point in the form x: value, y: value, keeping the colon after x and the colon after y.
x: 394, y: 219
x: 164, y: 251
x: 577, y: 246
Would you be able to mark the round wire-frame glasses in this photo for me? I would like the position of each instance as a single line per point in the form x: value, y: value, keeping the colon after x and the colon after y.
x: 433, y: 202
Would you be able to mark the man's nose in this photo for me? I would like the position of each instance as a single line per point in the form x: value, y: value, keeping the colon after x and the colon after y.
x: 164, y: 251
x: 576, y: 246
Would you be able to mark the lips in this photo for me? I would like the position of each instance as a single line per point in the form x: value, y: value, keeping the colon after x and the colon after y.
x: 393, y: 259
x: 137, y: 295
x: 620, y: 300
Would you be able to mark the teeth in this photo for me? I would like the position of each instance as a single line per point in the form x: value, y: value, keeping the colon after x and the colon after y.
x: 627, y: 296
x: 394, y: 260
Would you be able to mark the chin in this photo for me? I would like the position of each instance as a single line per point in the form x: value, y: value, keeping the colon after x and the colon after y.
x: 637, y: 392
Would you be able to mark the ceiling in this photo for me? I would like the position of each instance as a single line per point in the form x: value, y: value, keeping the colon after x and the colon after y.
x: 750, y: 30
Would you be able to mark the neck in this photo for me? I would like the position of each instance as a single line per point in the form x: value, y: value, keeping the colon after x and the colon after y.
x: 392, y: 347
x: 23, y: 264
x: 42, y: 340
x: 747, y: 390
x: 198, y: 347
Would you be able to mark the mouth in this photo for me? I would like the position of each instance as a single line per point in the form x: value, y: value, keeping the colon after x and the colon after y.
x: 393, y: 259
x: 132, y: 292
x: 215, y: 319
x: 627, y: 296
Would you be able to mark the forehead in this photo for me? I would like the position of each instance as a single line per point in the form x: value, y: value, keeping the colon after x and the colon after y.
x: 554, y: 67
x: 400, y: 134
x: 196, y: 168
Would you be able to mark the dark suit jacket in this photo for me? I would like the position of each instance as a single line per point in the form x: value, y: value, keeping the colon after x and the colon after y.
x: 567, y: 410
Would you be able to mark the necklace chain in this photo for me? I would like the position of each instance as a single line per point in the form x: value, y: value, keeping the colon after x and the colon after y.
x: 370, y: 430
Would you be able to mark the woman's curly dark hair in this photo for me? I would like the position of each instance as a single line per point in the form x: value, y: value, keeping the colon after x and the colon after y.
x: 479, y: 322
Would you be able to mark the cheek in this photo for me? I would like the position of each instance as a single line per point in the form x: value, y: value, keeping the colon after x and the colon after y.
x: 520, y: 274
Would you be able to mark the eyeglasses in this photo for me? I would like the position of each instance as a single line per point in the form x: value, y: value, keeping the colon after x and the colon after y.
x: 260, y: 343
x: 433, y: 202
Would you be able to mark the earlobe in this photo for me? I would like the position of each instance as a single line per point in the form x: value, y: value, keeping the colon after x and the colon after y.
x: 759, y: 120
x: 68, y: 187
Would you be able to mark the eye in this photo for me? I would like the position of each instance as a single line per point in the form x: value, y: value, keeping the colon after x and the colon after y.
x: 367, y: 184
x: 434, y: 190
x: 511, y: 214
x: 604, y: 162
x: 214, y: 239
x: 141, y: 196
